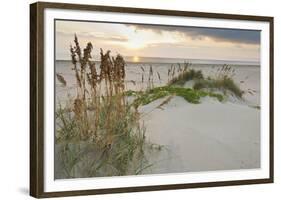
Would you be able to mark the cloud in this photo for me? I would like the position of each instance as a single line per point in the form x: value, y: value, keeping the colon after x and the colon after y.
x: 95, y: 35
x: 217, y: 34
x: 166, y: 45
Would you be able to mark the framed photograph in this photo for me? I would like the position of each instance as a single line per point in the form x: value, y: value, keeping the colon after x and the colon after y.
x: 130, y: 99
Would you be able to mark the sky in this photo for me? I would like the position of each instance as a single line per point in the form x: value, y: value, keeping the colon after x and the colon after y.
x: 138, y: 40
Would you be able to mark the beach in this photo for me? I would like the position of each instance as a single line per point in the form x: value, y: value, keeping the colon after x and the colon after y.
x: 205, y: 137
x: 208, y: 136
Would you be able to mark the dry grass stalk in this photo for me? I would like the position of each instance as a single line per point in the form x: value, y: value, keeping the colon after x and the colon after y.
x: 61, y: 79
x: 101, y: 118
x: 96, y: 87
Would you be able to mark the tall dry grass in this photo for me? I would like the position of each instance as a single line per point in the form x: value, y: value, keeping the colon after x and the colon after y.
x: 98, y: 133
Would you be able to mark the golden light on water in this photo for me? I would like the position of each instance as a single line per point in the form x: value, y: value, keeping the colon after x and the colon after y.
x: 136, y: 59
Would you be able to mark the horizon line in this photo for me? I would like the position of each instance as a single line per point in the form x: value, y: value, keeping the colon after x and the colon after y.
x: 184, y: 59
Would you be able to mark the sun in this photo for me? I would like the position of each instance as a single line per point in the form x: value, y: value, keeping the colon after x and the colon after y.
x: 136, y: 59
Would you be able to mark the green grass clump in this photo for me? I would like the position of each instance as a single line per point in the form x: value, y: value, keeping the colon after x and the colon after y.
x: 223, y: 79
x: 225, y: 83
x: 190, y: 95
x: 185, y: 76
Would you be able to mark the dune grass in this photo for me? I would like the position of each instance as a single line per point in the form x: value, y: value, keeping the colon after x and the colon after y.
x: 185, y: 76
x: 190, y: 95
x: 87, y: 158
x: 98, y: 133
x: 222, y: 79
x: 225, y: 84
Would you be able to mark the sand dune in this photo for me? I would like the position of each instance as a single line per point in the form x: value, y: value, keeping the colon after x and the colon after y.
x: 203, y: 137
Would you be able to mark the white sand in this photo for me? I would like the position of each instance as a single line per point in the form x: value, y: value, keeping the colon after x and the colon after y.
x: 207, y: 136
x: 203, y: 137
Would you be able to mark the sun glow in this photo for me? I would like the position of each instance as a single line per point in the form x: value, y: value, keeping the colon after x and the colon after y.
x: 136, y: 59
x: 135, y: 43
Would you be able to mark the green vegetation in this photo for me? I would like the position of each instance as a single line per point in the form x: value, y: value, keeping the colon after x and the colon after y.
x: 225, y: 84
x: 185, y: 76
x: 222, y: 80
x: 190, y: 95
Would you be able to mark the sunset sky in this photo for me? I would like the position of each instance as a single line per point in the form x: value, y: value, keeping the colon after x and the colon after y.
x: 159, y: 41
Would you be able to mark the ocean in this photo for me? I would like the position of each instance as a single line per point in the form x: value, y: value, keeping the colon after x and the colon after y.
x: 246, y: 75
